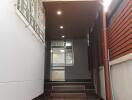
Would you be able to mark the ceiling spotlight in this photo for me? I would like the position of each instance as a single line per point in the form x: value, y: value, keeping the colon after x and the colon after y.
x: 63, y: 36
x: 61, y: 27
x: 59, y: 12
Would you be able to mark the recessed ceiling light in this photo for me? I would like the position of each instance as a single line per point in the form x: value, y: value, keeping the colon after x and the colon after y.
x: 59, y: 12
x: 63, y: 36
x: 61, y: 27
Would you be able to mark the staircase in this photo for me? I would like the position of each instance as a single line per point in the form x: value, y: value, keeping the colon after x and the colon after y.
x: 70, y: 91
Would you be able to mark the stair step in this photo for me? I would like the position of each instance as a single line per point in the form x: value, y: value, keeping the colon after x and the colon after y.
x: 69, y: 87
x: 69, y: 95
x: 71, y: 91
x: 69, y: 83
x: 51, y: 98
x: 90, y: 82
x: 56, y: 98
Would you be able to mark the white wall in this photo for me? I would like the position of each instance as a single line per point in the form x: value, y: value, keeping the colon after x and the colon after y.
x: 102, y: 82
x: 122, y: 80
x: 21, y: 57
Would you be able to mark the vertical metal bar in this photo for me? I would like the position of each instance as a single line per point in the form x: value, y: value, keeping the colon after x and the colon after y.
x: 50, y: 54
x: 65, y: 60
x: 106, y: 54
x: 106, y: 60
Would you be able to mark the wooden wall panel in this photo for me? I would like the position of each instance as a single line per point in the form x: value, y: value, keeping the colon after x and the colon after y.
x: 120, y: 32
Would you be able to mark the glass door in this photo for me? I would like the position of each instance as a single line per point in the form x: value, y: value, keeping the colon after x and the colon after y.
x: 61, y: 57
x: 57, y: 64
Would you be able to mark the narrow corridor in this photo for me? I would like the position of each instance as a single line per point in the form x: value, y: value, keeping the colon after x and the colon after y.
x: 66, y: 50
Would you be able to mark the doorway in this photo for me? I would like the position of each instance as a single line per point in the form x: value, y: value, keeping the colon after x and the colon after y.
x: 61, y: 57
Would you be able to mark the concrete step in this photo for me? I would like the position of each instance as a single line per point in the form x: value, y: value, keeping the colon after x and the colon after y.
x: 68, y: 95
x: 71, y: 91
x: 56, y: 98
x: 69, y: 83
x: 62, y: 98
x: 69, y: 87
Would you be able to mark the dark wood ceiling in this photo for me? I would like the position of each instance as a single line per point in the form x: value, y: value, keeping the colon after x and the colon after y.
x: 77, y: 17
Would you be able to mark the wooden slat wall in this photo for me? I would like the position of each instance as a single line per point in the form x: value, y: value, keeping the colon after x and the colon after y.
x: 120, y: 32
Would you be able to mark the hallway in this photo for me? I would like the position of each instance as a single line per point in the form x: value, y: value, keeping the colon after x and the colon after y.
x: 66, y: 50
x: 68, y: 75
